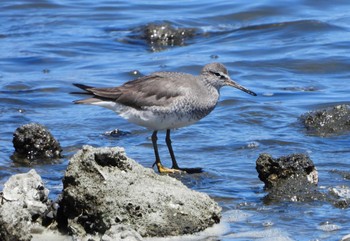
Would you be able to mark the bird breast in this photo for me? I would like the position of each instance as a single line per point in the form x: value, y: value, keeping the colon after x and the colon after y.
x: 197, y: 104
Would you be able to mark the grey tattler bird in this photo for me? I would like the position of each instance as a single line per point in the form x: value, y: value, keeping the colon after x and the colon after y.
x: 165, y: 101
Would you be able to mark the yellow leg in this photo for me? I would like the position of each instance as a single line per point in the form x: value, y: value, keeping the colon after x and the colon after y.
x: 175, y: 168
x: 165, y: 170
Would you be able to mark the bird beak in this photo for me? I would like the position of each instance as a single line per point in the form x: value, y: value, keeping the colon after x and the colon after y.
x: 232, y: 83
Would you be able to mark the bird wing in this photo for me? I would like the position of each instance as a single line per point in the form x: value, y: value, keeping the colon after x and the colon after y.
x: 157, y: 89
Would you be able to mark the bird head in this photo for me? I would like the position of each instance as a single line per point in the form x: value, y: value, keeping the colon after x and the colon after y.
x: 217, y: 75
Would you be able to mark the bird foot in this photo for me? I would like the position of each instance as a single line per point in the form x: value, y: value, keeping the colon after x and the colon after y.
x: 189, y: 170
x: 165, y: 170
x: 177, y: 169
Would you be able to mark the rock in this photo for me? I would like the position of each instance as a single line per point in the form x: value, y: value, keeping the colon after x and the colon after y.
x: 272, y: 171
x: 116, y: 133
x: 344, y: 174
x: 103, y: 188
x: 328, y: 121
x: 15, y: 223
x: 166, y: 34
x: 158, y: 36
x: 340, y: 196
x: 289, y: 178
x: 33, y: 141
x: 340, y: 192
x: 27, y: 189
x: 294, y: 189
x: 328, y: 227
x: 24, y: 200
x: 162, y: 35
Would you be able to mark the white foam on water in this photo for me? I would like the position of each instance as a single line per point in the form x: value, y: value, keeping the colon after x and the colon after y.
x: 217, y: 230
x: 273, y: 234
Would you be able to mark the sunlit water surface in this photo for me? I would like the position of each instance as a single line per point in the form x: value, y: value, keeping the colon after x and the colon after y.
x: 294, y: 54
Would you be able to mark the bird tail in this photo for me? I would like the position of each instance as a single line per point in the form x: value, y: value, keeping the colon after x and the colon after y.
x: 87, y: 91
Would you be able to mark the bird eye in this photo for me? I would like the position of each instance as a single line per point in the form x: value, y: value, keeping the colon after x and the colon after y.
x: 218, y: 74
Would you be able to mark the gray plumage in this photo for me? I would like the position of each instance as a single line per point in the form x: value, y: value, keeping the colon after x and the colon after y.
x: 164, y: 100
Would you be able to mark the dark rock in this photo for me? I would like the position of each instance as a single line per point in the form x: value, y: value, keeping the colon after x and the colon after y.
x: 344, y: 174
x: 167, y: 34
x: 162, y: 35
x: 33, y: 141
x: 116, y: 133
x: 289, y: 178
x: 294, y: 178
x: 296, y: 188
x: 341, y: 196
x: 272, y: 171
x: 103, y: 189
x: 158, y: 35
x: 23, y: 202
x: 328, y: 121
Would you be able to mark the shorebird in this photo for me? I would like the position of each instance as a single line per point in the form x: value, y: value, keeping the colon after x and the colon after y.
x: 165, y: 101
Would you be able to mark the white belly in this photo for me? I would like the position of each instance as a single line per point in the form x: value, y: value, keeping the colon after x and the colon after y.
x: 149, y: 119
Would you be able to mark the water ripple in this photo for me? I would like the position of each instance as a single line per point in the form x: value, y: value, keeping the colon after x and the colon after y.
x: 293, y: 54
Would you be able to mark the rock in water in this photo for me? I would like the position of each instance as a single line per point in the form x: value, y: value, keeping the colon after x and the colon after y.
x: 160, y: 36
x: 167, y: 35
x: 289, y: 178
x: 104, y: 188
x: 273, y: 170
x: 34, y: 141
x: 329, y: 121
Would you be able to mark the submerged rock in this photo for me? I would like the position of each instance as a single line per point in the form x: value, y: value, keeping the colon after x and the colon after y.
x: 104, y: 188
x: 294, y: 178
x: 24, y: 203
x: 294, y: 189
x: 328, y: 121
x: 289, y: 178
x: 34, y: 141
x: 341, y: 196
x: 163, y: 35
x: 157, y: 35
x: 116, y: 133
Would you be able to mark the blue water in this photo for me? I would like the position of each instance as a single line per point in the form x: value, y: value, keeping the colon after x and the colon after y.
x: 294, y: 54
